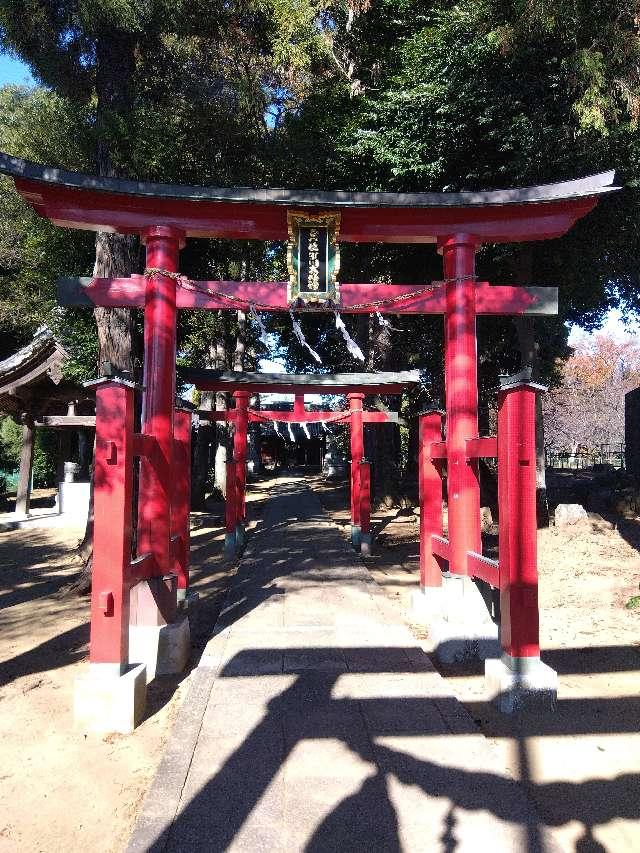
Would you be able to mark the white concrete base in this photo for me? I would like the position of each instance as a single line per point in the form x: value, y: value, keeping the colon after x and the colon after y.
x: 458, y: 620
x: 106, y: 702
x: 365, y: 544
x: 521, y: 684
x: 73, y: 499
x: 164, y: 649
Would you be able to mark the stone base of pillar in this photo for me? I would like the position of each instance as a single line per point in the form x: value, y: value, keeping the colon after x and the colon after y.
x: 106, y: 702
x: 459, y: 623
x: 365, y: 544
x: 241, y: 536
x: 230, y: 544
x: 356, y: 536
x: 163, y: 649
x: 521, y: 684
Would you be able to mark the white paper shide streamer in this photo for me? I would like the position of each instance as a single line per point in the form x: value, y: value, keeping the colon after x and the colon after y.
x: 263, y: 338
x: 352, y: 346
x: 291, y: 435
x: 277, y: 429
x: 305, y: 430
x: 297, y: 331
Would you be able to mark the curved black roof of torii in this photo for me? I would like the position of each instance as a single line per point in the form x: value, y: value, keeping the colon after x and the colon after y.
x: 76, y: 200
x: 562, y: 191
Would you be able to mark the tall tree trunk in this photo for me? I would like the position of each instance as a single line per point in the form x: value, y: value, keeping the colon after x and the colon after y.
x: 116, y: 254
x: 530, y: 357
x: 385, y: 439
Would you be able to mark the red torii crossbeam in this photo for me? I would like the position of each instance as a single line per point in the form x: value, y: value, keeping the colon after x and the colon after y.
x: 353, y: 385
x: 458, y: 223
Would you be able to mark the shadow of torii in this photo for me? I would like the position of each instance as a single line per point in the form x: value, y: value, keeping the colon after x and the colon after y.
x: 366, y: 819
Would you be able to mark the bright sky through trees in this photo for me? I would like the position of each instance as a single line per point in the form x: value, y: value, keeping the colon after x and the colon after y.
x: 13, y: 71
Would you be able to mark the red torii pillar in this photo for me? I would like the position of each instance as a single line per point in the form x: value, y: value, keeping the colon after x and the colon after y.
x: 157, y: 605
x: 357, y: 456
x: 241, y: 422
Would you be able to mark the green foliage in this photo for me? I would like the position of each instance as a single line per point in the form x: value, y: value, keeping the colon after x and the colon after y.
x: 44, y: 453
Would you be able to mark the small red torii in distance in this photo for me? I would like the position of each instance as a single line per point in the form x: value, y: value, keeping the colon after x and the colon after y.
x: 354, y: 385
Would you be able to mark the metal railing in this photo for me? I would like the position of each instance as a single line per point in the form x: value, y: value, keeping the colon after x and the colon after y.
x: 585, y: 457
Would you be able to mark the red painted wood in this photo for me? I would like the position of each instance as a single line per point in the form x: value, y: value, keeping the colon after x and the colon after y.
x: 440, y: 547
x: 365, y: 497
x: 519, y: 627
x: 163, y: 245
x: 238, y: 220
x: 272, y: 296
x: 438, y: 450
x: 485, y: 447
x: 357, y: 453
x: 240, y: 448
x: 269, y: 415
x: 181, y: 494
x: 430, y: 488
x: 483, y: 568
x: 298, y: 407
x: 142, y: 567
x: 144, y: 445
x: 113, y: 496
x: 461, y: 389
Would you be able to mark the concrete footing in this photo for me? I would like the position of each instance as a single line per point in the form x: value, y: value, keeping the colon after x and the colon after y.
x: 521, y: 684
x: 105, y: 701
x: 230, y: 544
x: 356, y: 536
x: 241, y: 536
x: 163, y: 649
x: 365, y: 544
x: 458, y: 620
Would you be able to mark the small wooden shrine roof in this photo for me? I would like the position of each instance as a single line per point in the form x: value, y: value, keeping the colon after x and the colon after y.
x: 31, y: 382
x: 302, y: 383
x: 77, y: 200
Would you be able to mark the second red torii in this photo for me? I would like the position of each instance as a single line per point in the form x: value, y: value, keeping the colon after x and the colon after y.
x: 354, y: 385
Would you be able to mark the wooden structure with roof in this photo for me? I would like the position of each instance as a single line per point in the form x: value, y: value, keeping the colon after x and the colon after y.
x: 35, y: 394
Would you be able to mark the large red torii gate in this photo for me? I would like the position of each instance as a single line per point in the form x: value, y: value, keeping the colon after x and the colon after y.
x: 164, y: 216
x: 355, y: 385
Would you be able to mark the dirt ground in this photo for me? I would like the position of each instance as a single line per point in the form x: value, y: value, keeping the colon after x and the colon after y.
x: 59, y: 789
x: 581, y: 763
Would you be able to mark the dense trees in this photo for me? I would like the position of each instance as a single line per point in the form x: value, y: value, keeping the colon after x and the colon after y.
x: 363, y: 94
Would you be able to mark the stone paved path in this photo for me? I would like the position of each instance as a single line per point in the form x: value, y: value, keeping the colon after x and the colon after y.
x: 314, y: 721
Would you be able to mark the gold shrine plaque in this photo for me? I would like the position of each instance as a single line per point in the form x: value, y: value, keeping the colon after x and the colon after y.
x: 313, y: 256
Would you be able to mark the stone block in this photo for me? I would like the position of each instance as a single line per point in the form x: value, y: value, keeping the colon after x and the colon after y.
x: 163, y: 649
x: 106, y: 702
x: 365, y: 544
x: 521, y: 684
x: 570, y: 514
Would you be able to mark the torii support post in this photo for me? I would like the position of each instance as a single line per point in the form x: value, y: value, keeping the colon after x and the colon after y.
x: 240, y: 458
x: 181, y: 499
x: 519, y: 680
x: 154, y: 504
x: 430, y: 486
x: 461, y: 389
x: 357, y: 454
x: 23, y: 492
x: 365, y: 508
x: 111, y: 697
